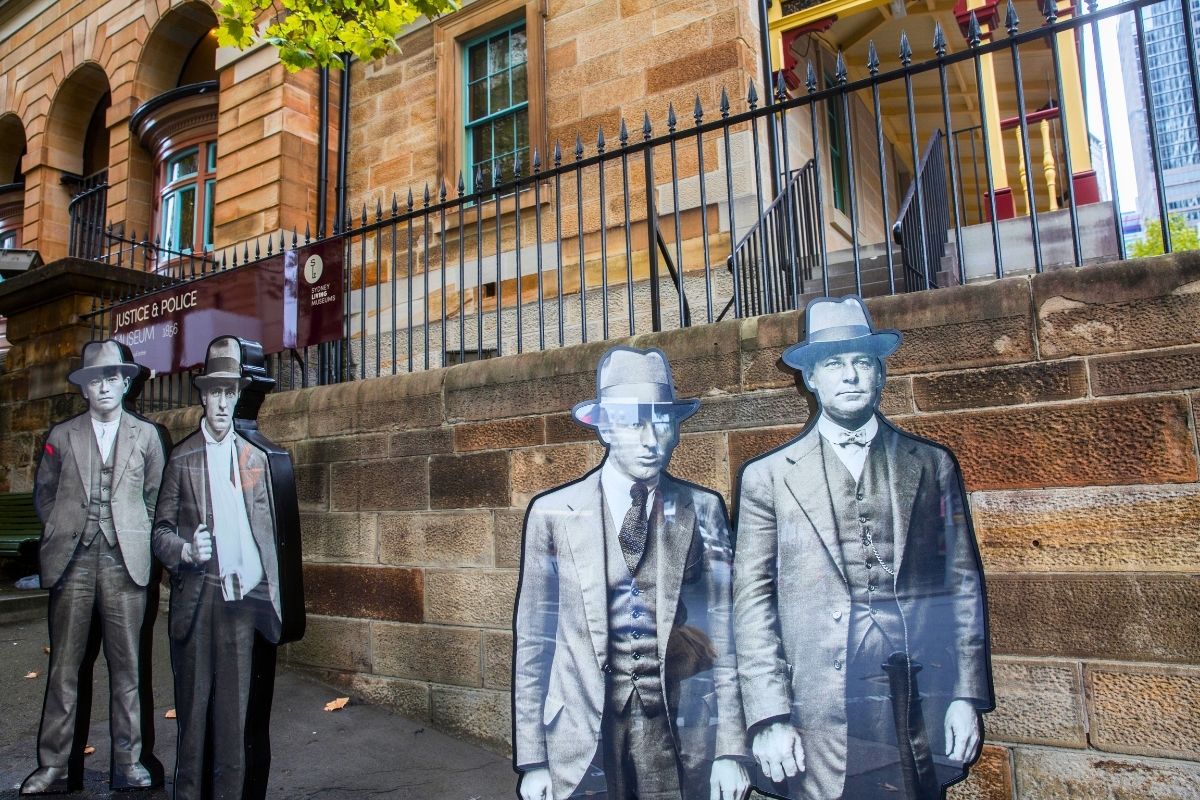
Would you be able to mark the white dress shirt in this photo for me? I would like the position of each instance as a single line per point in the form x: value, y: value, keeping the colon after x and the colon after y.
x: 106, y: 434
x: 853, y: 456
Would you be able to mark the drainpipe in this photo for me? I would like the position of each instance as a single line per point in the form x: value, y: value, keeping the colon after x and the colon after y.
x: 343, y: 142
x: 323, y: 153
x: 764, y: 45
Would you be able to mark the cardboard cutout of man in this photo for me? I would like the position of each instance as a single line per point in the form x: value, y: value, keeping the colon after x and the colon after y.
x: 214, y: 530
x: 858, y: 584
x: 96, y: 487
x: 624, y: 659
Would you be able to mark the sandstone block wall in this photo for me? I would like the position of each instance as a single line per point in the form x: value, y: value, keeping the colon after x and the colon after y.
x: 1070, y: 399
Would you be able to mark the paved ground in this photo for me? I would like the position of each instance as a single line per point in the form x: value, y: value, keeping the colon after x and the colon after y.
x: 362, y: 751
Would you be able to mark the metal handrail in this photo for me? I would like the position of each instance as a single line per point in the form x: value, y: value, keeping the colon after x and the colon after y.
x: 922, y: 230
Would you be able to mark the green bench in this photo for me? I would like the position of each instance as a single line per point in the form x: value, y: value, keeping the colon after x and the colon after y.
x: 20, y: 528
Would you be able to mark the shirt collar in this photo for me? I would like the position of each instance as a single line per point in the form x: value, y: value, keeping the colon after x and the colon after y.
x: 832, y: 432
x: 617, y: 484
x: 213, y: 440
x: 107, y: 426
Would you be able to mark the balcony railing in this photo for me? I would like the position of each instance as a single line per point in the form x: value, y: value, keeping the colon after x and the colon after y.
x: 665, y: 224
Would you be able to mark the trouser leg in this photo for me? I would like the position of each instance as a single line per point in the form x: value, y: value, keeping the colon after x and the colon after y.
x: 122, y: 605
x: 72, y: 602
x: 192, y: 663
x: 872, y: 755
x: 640, y: 761
x: 231, y: 693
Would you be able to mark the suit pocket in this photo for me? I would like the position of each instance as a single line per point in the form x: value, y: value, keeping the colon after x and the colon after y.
x: 553, y: 707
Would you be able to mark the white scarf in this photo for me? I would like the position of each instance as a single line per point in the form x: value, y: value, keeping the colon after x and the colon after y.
x: 236, y: 550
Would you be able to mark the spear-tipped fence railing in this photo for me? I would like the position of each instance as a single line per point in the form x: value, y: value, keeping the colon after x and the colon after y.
x: 619, y: 234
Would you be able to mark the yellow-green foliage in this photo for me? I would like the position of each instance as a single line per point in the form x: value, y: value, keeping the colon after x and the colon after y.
x: 311, y: 33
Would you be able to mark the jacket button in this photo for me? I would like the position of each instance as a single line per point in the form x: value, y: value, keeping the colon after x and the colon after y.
x: 837, y: 614
x: 637, y: 656
x: 606, y: 668
x: 633, y: 677
x: 837, y: 663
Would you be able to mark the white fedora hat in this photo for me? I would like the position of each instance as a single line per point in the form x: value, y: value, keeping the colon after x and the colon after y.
x: 839, y: 326
x: 630, y: 377
x: 101, y: 357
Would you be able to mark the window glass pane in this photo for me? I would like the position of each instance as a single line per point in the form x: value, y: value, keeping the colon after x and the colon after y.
x: 498, y: 53
x: 212, y: 156
x: 505, y: 140
x: 518, y: 46
x: 521, y: 121
x: 209, y: 197
x: 478, y: 100
x: 182, y: 166
x: 477, y: 61
x: 170, y: 214
x: 498, y: 91
x: 182, y: 235
x: 481, y: 144
x: 520, y: 93
x: 8, y: 240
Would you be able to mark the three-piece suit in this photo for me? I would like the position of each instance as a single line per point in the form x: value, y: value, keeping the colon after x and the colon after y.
x: 834, y: 573
x: 95, y: 558
x: 599, y: 653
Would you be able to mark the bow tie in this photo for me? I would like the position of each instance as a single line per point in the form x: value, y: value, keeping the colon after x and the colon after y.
x: 858, y: 438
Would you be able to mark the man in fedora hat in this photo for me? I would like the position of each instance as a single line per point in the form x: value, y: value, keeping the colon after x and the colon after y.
x: 624, y: 662
x: 96, y: 485
x: 214, y: 530
x: 855, y: 548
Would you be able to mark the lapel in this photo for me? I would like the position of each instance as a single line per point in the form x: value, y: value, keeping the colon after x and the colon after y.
x: 584, y: 535
x: 905, y: 468
x: 197, y: 471
x: 674, y: 542
x: 807, y: 482
x: 83, y: 441
x: 123, y: 449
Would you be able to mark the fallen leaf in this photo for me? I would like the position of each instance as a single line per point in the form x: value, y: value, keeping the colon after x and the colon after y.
x: 337, y: 705
x: 87, y: 751
x: 46, y: 649
x: 170, y: 714
x: 30, y: 674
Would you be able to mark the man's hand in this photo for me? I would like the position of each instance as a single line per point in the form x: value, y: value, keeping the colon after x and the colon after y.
x: 200, y: 550
x: 778, y: 751
x: 729, y: 780
x: 535, y: 784
x: 962, y: 731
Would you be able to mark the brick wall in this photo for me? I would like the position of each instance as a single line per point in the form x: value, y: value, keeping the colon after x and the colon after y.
x: 1070, y: 399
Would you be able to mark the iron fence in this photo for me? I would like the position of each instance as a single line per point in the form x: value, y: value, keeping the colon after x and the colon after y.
x: 675, y: 223
x: 89, y: 201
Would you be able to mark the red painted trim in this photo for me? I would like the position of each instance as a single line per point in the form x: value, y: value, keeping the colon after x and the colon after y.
x: 1005, y: 208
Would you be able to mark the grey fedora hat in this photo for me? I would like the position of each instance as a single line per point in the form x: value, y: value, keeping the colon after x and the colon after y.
x: 838, y: 326
x: 223, y: 362
x: 627, y: 376
x: 100, y: 357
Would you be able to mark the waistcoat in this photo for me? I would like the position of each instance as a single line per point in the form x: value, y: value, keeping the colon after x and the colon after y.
x: 99, y: 519
x: 633, y: 617
x: 861, y: 508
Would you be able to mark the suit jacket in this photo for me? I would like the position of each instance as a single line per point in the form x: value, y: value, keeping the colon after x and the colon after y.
x: 179, y: 513
x: 792, y: 599
x: 63, y: 485
x: 561, y: 627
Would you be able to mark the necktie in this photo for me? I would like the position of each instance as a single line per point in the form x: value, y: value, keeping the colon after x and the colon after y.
x: 857, y: 438
x: 633, y: 529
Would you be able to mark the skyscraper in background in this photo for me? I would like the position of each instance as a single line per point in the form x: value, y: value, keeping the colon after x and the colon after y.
x: 1170, y: 96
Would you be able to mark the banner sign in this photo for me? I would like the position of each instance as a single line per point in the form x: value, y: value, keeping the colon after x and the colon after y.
x: 288, y: 301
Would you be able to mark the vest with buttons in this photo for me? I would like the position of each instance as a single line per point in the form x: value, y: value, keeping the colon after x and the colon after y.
x: 858, y: 508
x: 633, y: 619
x: 99, y: 518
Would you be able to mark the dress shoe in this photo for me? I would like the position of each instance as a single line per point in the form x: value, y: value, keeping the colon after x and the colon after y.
x: 46, y: 780
x: 130, y: 776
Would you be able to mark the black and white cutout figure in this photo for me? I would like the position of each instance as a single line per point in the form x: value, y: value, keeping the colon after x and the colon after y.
x: 96, y: 487
x: 215, y: 530
x: 624, y: 678
x: 862, y: 641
